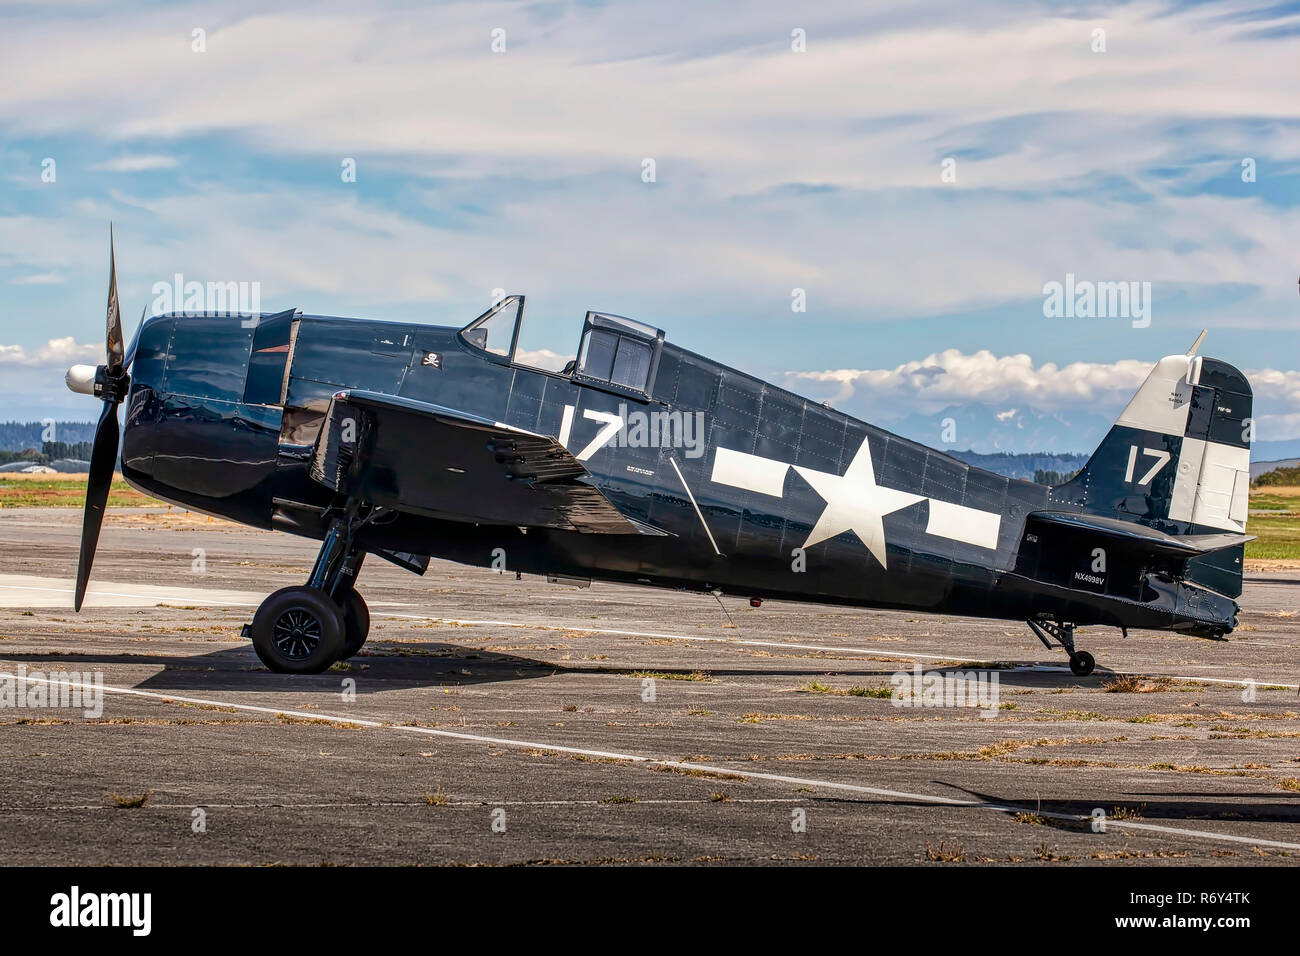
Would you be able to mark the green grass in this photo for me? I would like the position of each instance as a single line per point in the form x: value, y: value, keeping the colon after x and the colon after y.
x: 1275, y: 499
x: 61, y: 491
x: 1277, y: 536
x: 817, y: 687
x: 668, y: 675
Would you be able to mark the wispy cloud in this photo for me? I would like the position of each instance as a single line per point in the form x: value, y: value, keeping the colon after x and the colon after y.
x: 56, y: 353
x: 953, y: 377
x: 732, y: 117
x: 136, y: 164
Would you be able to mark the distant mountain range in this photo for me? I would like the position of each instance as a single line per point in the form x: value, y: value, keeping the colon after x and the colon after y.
x: 1275, y: 450
x: 1025, y: 465
x: 994, y: 429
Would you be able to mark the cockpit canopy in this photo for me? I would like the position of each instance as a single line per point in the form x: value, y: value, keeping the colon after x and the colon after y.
x: 615, y: 353
x: 618, y: 352
x: 496, y: 331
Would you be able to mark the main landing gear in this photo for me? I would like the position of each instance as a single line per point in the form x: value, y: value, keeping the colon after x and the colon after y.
x: 1081, y: 662
x: 305, y: 629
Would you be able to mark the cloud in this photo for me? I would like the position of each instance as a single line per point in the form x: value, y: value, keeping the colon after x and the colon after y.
x: 543, y: 359
x: 57, y: 353
x: 775, y: 170
x: 137, y: 164
x: 817, y: 170
x: 954, y: 378
x: 1277, y: 403
x: 600, y: 86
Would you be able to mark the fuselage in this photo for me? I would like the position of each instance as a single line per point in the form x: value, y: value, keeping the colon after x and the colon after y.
x: 747, y: 487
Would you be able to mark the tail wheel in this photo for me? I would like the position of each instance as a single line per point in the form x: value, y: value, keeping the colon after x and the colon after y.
x: 1081, y: 663
x: 356, y: 624
x: 298, y: 630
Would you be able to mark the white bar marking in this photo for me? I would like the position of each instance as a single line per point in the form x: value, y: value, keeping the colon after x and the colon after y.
x: 750, y: 472
x: 961, y: 523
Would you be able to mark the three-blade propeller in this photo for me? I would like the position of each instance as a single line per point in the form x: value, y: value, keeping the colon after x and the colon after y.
x: 110, y: 383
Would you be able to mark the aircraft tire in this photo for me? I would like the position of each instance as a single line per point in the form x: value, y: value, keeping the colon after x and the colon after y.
x: 356, y: 624
x: 298, y: 630
x: 1081, y: 663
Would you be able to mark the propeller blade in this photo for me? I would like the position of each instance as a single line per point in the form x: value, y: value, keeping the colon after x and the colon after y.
x: 103, y: 457
x: 114, y: 336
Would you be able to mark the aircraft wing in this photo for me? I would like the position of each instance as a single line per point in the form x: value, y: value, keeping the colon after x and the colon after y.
x: 1183, y: 545
x: 427, y: 459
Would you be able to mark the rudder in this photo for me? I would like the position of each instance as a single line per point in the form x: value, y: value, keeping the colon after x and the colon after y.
x: 1178, y: 459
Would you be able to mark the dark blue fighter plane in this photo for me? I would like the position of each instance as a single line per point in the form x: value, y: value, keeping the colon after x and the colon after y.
x: 644, y: 462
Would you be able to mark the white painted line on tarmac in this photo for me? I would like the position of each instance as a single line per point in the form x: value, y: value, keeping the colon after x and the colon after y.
x: 663, y: 762
x: 870, y: 651
x: 878, y: 651
x: 245, y: 599
x: 26, y: 590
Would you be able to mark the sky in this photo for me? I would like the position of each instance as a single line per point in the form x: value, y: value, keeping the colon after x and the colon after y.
x: 862, y: 202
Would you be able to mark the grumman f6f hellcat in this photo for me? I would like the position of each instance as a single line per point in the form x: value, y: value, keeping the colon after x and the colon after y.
x: 409, y: 441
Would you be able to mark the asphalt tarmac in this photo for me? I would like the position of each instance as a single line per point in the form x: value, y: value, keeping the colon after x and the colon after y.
x: 496, y: 721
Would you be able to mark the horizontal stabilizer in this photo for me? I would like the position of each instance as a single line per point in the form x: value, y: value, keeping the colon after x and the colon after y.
x: 1158, y: 542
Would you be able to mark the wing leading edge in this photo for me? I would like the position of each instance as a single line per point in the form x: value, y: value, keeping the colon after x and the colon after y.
x: 427, y: 459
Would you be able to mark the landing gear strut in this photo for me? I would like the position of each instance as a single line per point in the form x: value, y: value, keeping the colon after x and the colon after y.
x: 305, y: 629
x: 1081, y: 662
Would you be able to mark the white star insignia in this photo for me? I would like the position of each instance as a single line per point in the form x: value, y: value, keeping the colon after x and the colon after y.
x: 854, y: 502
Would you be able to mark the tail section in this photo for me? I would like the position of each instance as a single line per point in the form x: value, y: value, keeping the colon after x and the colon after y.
x: 1178, y: 460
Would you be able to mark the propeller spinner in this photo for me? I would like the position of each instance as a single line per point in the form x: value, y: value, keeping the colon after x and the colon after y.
x: 108, y: 382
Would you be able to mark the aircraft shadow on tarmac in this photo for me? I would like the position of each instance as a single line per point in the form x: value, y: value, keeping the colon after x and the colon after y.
x: 400, y: 666
x: 1185, y: 808
x: 238, y: 669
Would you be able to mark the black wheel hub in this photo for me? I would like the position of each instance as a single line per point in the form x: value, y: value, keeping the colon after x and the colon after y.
x: 297, y: 633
